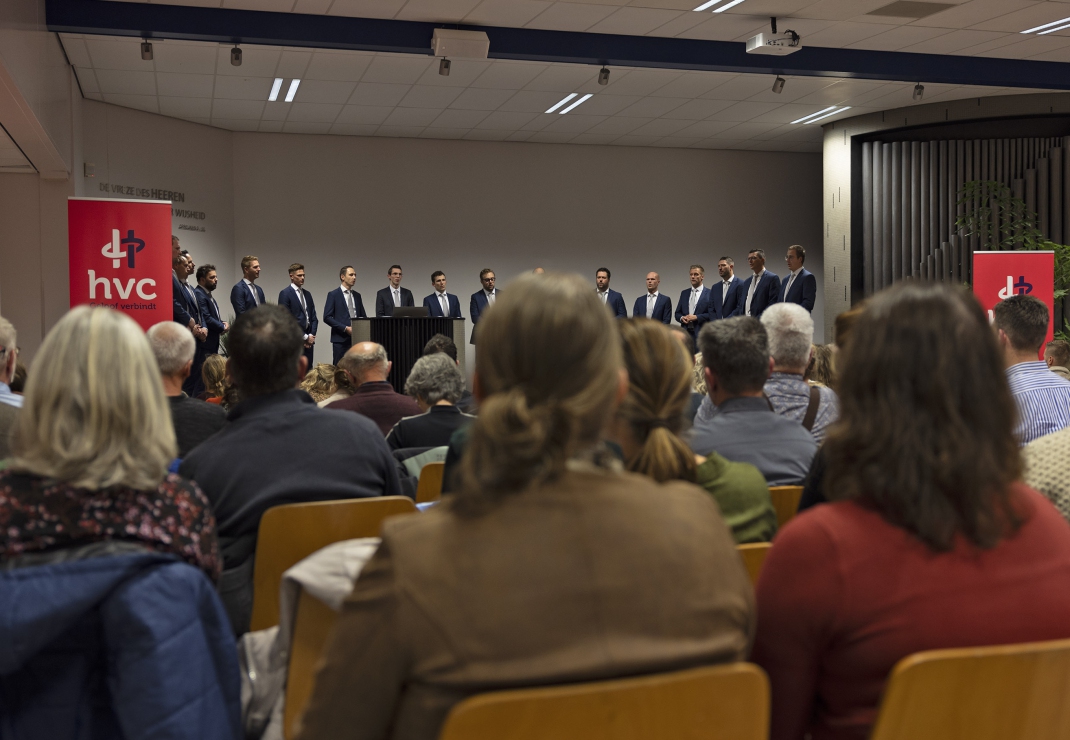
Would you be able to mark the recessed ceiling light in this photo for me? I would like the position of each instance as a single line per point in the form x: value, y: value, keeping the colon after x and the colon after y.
x: 830, y: 113
x: 1047, y: 25
x: 823, y: 113
x: 561, y: 102
x: 710, y: 4
x: 726, y: 6
x: 293, y: 90
x: 1053, y: 30
x: 578, y: 102
x: 275, y: 87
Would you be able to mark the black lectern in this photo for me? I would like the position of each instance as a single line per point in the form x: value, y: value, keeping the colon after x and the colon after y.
x: 404, y: 340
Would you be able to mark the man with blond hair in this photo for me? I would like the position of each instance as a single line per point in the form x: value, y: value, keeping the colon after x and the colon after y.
x: 10, y: 403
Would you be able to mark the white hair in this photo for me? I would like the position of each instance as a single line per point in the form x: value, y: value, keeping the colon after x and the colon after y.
x: 435, y: 378
x: 791, y: 334
x: 172, y: 346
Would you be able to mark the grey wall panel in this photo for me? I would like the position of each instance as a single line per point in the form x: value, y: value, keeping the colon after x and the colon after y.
x: 941, y: 193
x: 923, y: 198
x: 886, y: 215
x: 1043, y: 196
x: 902, y: 268
x: 915, y: 207
x: 1031, y: 192
x: 878, y: 216
x: 896, y: 247
x: 1056, y: 213
x: 867, y: 218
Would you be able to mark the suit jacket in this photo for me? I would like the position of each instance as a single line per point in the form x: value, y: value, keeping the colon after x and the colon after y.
x: 212, y: 320
x: 615, y: 303
x: 384, y: 301
x: 380, y: 403
x: 702, y: 309
x: 803, y: 290
x: 185, y: 305
x: 662, y: 308
x: 598, y: 575
x: 731, y: 304
x: 242, y: 300
x: 336, y: 314
x: 288, y: 298
x: 434, y: 306
x: 477, y: 306
x: 765, y: 295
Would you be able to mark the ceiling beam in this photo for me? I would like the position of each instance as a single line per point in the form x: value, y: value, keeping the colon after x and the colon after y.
x: 223, y: 25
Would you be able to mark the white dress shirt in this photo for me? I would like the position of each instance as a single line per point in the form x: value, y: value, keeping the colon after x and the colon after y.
x: 794, y: 274
x: 725, y: 285
x: 304, y: 306
x: 651, y: 301
x: 256, y: 298
x: 603, y: 295
x: 490, y: 297
x: 755, y: 279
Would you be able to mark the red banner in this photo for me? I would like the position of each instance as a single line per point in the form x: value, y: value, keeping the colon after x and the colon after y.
x: 999, y: 275
x: 120, y: 256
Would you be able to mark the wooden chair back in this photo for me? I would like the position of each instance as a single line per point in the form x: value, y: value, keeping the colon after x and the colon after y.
x: 727, y: 702
x: 754, y: 556
x: 313, y: 625
x: 785, y: 502
x: 430, y: 486
x: 290, y: 533
x: 987, y: 693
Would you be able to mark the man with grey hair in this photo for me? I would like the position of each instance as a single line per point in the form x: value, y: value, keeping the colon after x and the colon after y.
x: 437, y: 385
x: 368, y: 368
x: 195, y: 421
x: 10, y: 403
x: 744, y: 428
x: 791, y: 335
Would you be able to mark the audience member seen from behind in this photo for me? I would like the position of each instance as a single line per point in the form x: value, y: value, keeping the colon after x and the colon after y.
x: 278, y: 448
x: 343, y: 387
x: 929, y: 542
x: 214, y: 374
x: 743, y: 426
x: 368, y: 368
x: 820, y: 371
x: 791, y: 334
x: 18, y: 379
x: 10, y: 402
x: 436, y: 384
x: 319, y: 382
x: 1057, y: 357
x: 688, y: 343
x: 442, y: 343
x: 548, y: 564
x: 650, y: 420
x: 1047, y: 468
x: 194, y: 420
x: 1042, y: 397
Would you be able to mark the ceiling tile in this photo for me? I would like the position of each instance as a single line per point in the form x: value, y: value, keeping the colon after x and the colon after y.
x: 516, y: 136
x: 551, y: 137
x: 618, y: 126
x: 640, y: 81
x: 242, y: 88
x: 595, y: 139
x: 314, y: 112
x: 185, y: 58
x: 476, y: 99
x: 399, y: 131
x: 353, y: 129
x: 785, y: 114
x: 740, y: 87
x: 238, y: 109
x: 371, y: 93
x: 270, y: 126
x: 126, y: 82
x: 426, y: 96
x: 276, y: 111
x: 976, y: 11
x: 573, y: 123
x: 114, y: 53
x: 683, y: 22
x: 635, y: 21
x: 745, y: 111
x: 186, y: 107
x: 324, y: 91
x: 661, y: 127
x: 306, y: 127
x: 1028, y: 46
x: 725, y: 27
x: 293, y: 63
x: 396, y: 69
x: 652, y: 107
x: 477, y: 134
x: 140, y: 102
x: 256, y: 61
x: 337, y: 66
x: 564, y: 78
x: 506, y: 12
x: 697, y: 110
x: 271, y: 6
x: 1023, y: 18
x: 463, y: 72
x: 441, y: 11
x: 794, y: 88
x: 705, y: 129
x: 693, y: 84
x: 311, y: 7
x: 434, y: 132
x: 237, y: 125
x: 411, y: 117
x: 570, y: 16
x: 87, y: 80
x: 954, y: 41
x: 635, y: 141
x: 76, y: 51
x: 843, y: 34
x: 532, y: 101
x: 898, y: 38
x: 366, y: 8
x: 363, y: 114
x: 459, y: 119
x: 505, y: 120
x: 605, y: 105
x: 509, y: 75
x: 184, y: 85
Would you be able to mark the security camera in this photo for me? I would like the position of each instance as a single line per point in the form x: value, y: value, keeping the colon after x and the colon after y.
x: 603, y: 76
x: 778, y: 85
x: 235, y: 56
x: 444, y: 68
x: 919, y: 92
x: 146, y: 51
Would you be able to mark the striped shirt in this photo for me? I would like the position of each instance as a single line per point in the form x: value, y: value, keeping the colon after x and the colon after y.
x: 1043, y: 400
x: 790, y: 396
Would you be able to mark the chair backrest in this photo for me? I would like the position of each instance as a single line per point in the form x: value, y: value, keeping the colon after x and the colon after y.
x: 727, y: 702
x: 311, y: 628
x: 985, y: 693
x: 785, y: 502
x: 430, y: 485
x: 290, y: 533
x: 754, y: 556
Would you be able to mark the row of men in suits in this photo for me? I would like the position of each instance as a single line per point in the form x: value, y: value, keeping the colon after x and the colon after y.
x: 733, y: 296
x: 195, y: 308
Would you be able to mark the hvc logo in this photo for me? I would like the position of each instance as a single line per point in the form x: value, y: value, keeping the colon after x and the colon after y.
x: 1013, y: 288
x: 116, y: 250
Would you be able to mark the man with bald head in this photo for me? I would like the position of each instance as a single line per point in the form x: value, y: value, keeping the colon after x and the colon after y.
x: 653, y: 305
x: 368, y: 367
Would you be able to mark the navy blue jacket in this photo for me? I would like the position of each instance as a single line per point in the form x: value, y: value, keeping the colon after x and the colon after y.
x: 212, y: 320
x: 130, y: 646
x: 702, y: 309
x: 336, y: 314
x: 289, y: 300
x: 434, y: 306
x: 662, y: 308
x: 185, y: 308
x: 732, y: 304
x: 803, y: 290
x: 765, y: 295
x: 384, y: 302
x: 615, y: 304
x: 242, y: 300
x: 477, y: 306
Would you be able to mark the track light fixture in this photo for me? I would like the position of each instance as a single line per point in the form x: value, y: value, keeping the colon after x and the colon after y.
x: 778, y: 85
x: 444, y: 67
x: 235, y: 56
x: 603, y: 76
x: 146, y: 51
x: 919, y: 91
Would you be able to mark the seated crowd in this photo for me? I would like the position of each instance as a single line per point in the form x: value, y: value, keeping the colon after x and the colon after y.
x: 590, y: 528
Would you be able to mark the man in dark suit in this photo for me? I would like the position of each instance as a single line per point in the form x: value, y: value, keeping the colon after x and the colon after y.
x: 482, y: 299
x: 368, y: 368
x: 726, y: 298
x: 440, y: 303
x: 207, y: 281
x: 246, y: 293
x: 298, y: 302
x: 800, y: 286
x: 343, y: 305
x: 188, y: 313
x: 393, y: 295
x: 611, y: 299
x: 693, y: 308
x: 762, y: 289
x: 653, y: 305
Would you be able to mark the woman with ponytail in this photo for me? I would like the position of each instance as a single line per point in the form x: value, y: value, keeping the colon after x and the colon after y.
x: 651, y: 418
x: 549, y: 564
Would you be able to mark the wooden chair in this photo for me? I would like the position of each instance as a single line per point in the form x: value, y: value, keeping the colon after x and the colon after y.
x: 290, y: 533
x: 313, y: 625
x: 785, y: 502
x: 430, y: 486
x: 728, y: 702
x: 754, y: 556
x: 986, y: 693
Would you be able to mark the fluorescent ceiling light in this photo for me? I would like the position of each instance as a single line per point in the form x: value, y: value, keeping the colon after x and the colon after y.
x: 1053, y: 30
x: 275, y: 87
x: 1047, y: 25
x: 561, y: 102
x: 825, y: 110
x: 292, y: 91
x: 710, y: 4
x: 581, y: 100
x: 841, y: 110
x: 726, y: 6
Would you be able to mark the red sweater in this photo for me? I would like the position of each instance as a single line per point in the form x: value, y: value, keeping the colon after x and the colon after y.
x: 844, y: 595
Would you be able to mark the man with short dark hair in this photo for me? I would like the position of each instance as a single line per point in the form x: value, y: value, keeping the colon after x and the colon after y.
x: 207, y: 281
x: 762, y: 288
x: 727, y: 298
x: 187, y: 311
x: 343, y: 305
x: 1057, y: 357
x: 393, y: 295
x: 440, y: 303
x: 1043, y: 398
x: 482, y: 299
x: 368, y: 368
x: 744, y: 427
x: 299, y: 302
x: 693, y: 308
x: 278, y: 448
x: 610, y: 298
x: 246, y: 294
x: 800, y: 285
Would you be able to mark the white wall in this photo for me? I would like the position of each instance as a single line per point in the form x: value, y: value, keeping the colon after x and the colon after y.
x: 459, y: 206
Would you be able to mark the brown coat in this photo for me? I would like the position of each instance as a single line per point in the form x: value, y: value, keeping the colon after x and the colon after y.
x: 599, y: 575
x: 380, y: 403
